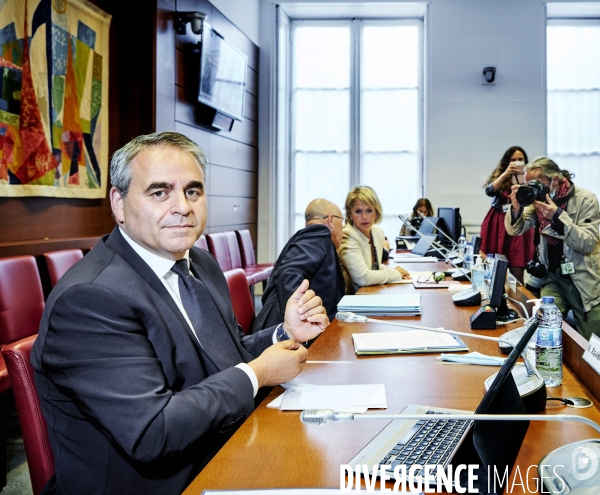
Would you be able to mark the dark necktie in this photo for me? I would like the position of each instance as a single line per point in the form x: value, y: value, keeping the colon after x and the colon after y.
x: 215, y: 339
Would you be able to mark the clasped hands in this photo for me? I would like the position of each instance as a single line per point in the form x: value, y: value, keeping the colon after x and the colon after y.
x: 304, y: 319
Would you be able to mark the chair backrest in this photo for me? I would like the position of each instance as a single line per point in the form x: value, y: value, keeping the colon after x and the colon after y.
x: 241, y: 299
x: 224, y: 247
x: 234, y: 249
x: 58, y: 262
x: 217, y: 246
x: 21, y: 298
x: 246, y: 247
x: 38, y: 451
x: 201, y: 242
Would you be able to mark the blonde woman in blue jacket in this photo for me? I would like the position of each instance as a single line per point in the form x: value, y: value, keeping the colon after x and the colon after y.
x: 363, y: 243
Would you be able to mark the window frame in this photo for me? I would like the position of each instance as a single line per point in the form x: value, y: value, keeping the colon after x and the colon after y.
x: 566, y: 21
x: 356, y: 26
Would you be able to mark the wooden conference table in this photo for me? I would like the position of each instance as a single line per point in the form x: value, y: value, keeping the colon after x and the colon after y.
x: 273, y: 449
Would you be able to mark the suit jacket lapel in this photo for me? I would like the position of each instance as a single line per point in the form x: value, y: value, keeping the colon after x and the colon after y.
x: 120, y: 246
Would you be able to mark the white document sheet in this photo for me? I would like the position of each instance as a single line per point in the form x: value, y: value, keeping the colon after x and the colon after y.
x: 414, y: 275
x: 414, y: 259
x: 408, y: 339
x: 336, y: 397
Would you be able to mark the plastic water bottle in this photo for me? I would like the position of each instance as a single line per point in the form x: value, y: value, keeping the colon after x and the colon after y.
x: 537, y: 304
x: 477, y: 274
x: 468, y: 258
x: 548, y: 348
x: 488, y: 266
x: 462, y: 242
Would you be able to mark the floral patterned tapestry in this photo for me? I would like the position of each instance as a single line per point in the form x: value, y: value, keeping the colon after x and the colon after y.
x: 53, y: 98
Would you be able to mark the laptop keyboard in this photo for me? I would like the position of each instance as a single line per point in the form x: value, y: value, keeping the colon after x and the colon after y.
x: 427, y: 442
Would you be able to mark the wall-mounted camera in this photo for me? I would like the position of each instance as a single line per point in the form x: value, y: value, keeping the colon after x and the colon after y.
x: 488, y: 75
x: 196, y: 20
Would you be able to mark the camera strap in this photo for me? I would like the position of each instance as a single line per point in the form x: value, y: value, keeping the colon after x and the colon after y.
x: 536, y: 235
x: 565, y: 192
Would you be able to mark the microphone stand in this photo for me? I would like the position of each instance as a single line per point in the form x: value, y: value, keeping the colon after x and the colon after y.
x: 323, y: 416
x: 454, y: 243
x: 349, y: 317
x: 439, y: 248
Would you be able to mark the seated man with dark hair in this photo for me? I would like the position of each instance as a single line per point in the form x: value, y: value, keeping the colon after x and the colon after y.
x: 310, y: 254
x: 142, y: 372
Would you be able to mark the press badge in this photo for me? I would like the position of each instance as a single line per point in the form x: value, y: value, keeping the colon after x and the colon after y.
x: 567, y: 268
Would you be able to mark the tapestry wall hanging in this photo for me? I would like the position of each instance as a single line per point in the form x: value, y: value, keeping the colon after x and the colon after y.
x: 53, y: 98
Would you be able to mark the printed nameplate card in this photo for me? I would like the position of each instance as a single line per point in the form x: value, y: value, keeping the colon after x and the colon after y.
x: 592, y: 353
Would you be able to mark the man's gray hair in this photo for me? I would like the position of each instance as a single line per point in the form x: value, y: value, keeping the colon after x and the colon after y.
x: 120, y: 164
x: 549, y: 168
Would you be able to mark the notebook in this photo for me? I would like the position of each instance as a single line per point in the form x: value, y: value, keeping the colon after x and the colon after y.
x: 494, y: 443
x: 382, y: 304
x: 406, y: 342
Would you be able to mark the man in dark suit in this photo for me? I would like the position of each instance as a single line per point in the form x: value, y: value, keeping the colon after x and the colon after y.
x: 310, y: 254
x: 140, y: 366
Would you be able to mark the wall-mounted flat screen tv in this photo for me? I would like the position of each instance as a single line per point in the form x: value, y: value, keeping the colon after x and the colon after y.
x: 222, y: 74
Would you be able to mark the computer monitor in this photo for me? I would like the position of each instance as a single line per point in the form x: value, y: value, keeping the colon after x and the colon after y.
x: 450, y: 223
x: 497, y: 297
x: 476, y: 243
x: 429, y: 225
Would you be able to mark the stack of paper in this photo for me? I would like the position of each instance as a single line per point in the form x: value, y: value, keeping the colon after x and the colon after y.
x: 408, y: 341
x: 347, y: 398
x: 382, y: 304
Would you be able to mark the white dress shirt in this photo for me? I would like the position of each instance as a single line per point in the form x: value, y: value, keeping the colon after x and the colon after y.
x: 162, y: 268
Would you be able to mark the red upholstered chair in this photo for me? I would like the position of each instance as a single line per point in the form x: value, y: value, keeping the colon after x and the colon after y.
x: 218, y: 247
x: 58, y: 262
x: 225, y: 248
x: 259, y: 271
x: 40, y: 459
x: 201, y: 243
x: 21, y: 308
x: 241, y: 299
x: 21, y: 298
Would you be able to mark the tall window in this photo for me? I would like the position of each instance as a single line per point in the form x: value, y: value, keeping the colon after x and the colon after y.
x: 573, y: 65
x: 356, y: 114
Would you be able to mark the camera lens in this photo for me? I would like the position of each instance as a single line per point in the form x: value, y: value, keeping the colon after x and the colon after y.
x: 526, y: 195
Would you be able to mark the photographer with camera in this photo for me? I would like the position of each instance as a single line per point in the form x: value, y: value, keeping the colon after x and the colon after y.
x: 567, y: 219
x: 494, y: 239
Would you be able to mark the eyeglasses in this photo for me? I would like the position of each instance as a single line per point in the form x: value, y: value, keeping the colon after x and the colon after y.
x: 335, y: 216
x: 432, y: 278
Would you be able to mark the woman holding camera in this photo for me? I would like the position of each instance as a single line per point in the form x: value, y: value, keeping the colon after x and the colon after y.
x: 362, y: 245
x: 494, y: 238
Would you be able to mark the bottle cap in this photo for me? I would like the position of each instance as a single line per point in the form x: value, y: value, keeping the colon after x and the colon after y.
x: 547, y: 300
